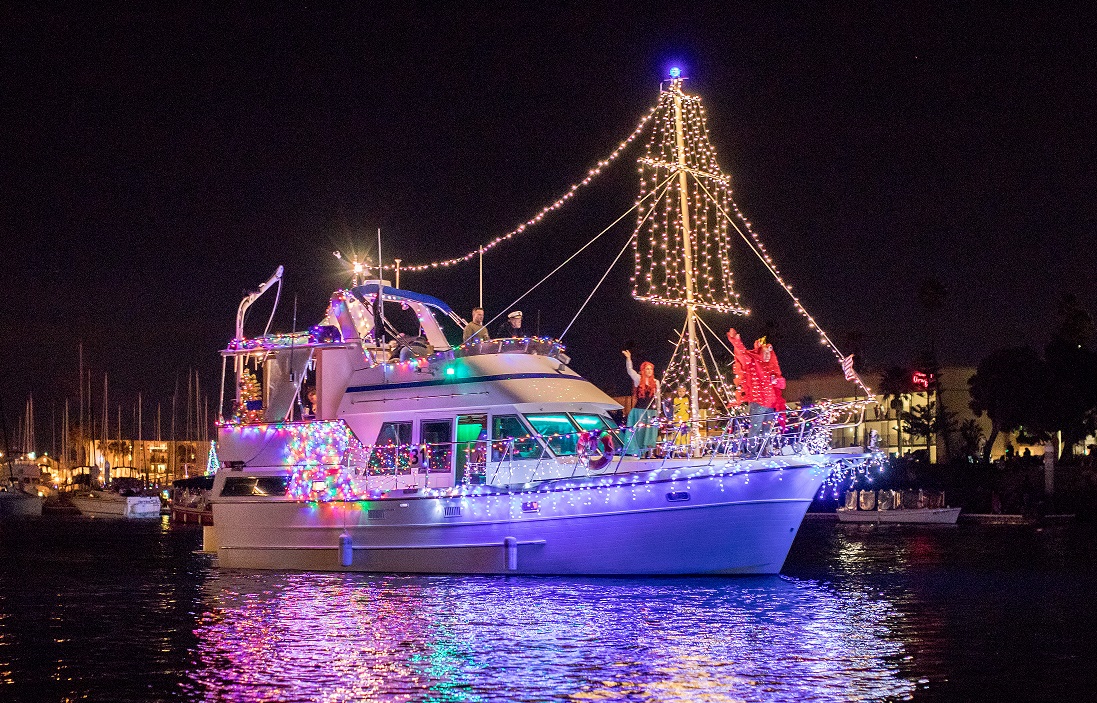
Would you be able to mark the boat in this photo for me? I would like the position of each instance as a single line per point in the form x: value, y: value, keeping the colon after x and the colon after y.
x: 125, y: 498
x: 887, y: 506
x: 15, y: 502
x: 189, y: 502
x: 418, y: 452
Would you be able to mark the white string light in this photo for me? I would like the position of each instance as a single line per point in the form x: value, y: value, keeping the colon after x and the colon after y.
x: 659, y: 275
x: 591, y: 175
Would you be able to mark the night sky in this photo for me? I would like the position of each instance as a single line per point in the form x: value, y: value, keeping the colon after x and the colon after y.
x: 156, y: 164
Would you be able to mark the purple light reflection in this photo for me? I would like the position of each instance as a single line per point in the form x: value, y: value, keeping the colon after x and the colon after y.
x: 336, y: 637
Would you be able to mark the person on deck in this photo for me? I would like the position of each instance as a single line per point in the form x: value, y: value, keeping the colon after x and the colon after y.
x: 645, y: 395
x: 476, y: 328
x: 681, y: 415
x: 512, y: 327
x: 758, y: 382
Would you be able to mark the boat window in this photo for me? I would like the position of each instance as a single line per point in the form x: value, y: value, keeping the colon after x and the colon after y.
x: 598, y: 422
x: 453, y: 332
x: 438, y: 436
x: 548, y: 424
x: 505, y: 428
x: 472, y: 441
x: 391, y: 455
x: 401, y: 318
x: 254, y: 486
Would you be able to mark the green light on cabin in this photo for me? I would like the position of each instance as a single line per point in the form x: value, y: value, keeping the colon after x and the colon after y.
x: 450, y: 371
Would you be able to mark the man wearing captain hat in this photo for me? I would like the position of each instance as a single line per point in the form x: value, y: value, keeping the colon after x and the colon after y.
x: 512, y: 326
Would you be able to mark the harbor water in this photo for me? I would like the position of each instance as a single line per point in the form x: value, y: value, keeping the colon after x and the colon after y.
x: 97, y: 610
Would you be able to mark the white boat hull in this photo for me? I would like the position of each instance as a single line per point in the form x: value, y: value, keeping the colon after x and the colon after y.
x: 112, y: 505
x: 926, y: 516
x: 686, y: 521
x: 18, y: 504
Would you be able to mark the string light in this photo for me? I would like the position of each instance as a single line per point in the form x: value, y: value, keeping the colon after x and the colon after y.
x: 659, y: 276
x: 591, y: 175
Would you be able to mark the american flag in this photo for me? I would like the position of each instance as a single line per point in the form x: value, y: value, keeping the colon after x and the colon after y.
x: 847, y: 368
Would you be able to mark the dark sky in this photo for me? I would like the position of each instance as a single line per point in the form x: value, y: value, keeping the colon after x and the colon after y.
x: 155, y: 164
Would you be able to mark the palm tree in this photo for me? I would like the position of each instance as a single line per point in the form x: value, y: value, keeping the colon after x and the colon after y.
x: 894, y: 384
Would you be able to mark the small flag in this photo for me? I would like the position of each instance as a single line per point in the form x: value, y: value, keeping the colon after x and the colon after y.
x: 847, y: 368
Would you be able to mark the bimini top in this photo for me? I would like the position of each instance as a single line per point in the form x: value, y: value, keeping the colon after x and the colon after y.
x: 369, y: 290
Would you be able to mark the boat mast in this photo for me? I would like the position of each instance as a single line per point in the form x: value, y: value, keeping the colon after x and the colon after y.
x: 687, y: 255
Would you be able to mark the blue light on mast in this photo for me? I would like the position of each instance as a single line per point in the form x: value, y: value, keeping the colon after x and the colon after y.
x: 675, y: 72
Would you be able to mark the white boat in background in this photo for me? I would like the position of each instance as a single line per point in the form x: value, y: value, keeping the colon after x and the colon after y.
x: 14, y: 502
x: 421, y: 452
x: 124, y: 500
x: 887, y: 506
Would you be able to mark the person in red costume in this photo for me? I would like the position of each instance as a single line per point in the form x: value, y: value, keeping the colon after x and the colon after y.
x: 758, y: 382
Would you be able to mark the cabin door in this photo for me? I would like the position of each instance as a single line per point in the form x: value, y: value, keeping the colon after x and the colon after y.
x: 472, y: 445
x: 437, y: 436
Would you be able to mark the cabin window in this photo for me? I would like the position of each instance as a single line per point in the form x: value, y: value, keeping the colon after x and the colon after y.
x: 393, y: 454
x: 437, y: 435
x: 508, y: 428
x: 549, y: 424
x: 254, y: 486
x: 598, y: 422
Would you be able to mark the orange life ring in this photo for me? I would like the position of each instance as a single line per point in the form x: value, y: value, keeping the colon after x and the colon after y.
x: 588, y: 441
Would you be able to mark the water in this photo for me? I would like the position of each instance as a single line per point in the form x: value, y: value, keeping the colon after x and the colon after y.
x: 115, y: 611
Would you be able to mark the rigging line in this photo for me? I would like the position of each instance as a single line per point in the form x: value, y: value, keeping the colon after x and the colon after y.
x: 592, y: 241
x: 777, y: 276
x: 769, y: 266
x: 597, y: 286
x: 718, y: 337
x: 591, y: 174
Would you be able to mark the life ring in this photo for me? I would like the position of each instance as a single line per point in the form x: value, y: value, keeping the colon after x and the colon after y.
x: 588, y: 442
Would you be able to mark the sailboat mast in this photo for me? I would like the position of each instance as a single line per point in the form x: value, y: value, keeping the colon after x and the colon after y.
x: 687, y: 255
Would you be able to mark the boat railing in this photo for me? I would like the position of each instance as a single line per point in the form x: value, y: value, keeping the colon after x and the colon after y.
x: 540, y: 346
x: 604, y: 450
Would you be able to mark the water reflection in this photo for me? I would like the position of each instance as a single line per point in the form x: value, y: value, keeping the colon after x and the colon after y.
x: 336, y: 637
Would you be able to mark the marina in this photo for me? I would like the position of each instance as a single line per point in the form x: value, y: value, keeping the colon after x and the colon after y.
x: 523, y: 353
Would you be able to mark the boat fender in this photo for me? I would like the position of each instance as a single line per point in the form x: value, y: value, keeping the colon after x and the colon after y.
x: 510, y: 546
x: 346, y: 549
x: 588, y: 442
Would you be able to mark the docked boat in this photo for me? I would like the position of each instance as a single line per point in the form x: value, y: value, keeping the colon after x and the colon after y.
x: 190, y: 501
x: 908, y: 507
x: 124, y: 499
x: 15, y: 502
x: 420, y: 452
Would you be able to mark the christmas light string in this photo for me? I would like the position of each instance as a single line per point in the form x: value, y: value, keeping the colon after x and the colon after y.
x: 659, y: 275
x: 328, y: 463
x: 591, y: 175
x: 759, y: 249
x: 577, y: 252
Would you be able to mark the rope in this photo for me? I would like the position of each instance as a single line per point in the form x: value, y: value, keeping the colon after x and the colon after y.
x: 597, y: 285
x: 580, y: 250
x: 772, y: 268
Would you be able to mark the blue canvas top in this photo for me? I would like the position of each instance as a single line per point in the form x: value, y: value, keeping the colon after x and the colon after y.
x: 369, y: 290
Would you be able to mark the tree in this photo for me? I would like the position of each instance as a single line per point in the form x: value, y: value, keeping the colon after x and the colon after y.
x: 928, y: 422
x: 932, y: 295
x: 1072, y: 367
x: 970, y: 436
x: 1010, y: 386
x: 894, y: 384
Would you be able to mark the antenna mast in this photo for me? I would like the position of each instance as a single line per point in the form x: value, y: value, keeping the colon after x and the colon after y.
x: 687, y: 255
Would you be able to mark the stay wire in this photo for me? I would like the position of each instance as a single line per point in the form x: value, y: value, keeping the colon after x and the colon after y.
x: 579, y: 251
x: 615, y: 260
